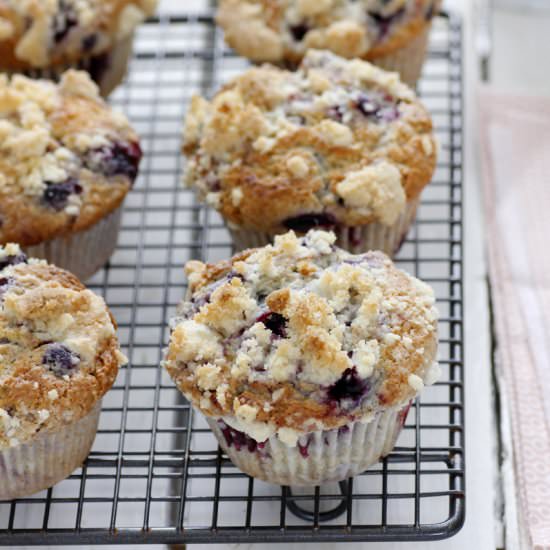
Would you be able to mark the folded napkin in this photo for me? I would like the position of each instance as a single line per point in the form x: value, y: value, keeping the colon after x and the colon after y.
x: 515, y: 148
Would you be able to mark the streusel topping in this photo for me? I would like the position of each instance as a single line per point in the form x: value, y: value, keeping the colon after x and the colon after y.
x: 66, y: 159
x: 42, y: 33
x: 336, y: 142
x: 283, y: 30
x: 59, y: 352
x: 300, y: 336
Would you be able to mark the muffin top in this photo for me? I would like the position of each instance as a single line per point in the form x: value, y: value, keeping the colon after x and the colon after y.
x: 283, y: 30
x: 46, y: 33
x: 300, y: 336
x: 337, y: 141
x: 59, y: 352
x: 66, y: 159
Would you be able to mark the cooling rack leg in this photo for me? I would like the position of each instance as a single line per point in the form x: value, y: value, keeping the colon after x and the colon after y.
x: 327, y: 515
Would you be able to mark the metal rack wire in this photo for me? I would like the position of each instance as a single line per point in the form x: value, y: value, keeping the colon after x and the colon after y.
x: 155, y: 474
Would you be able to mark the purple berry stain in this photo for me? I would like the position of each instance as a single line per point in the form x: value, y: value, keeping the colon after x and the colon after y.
x: 60, y: 360
x: 56, y: 195
x: 305, y: 222
x: 99, y: 65
x: 275, y: 322
x: 303, y: 448
x: 403, y: 413
x: 239, y: 439
x: 349, y: 386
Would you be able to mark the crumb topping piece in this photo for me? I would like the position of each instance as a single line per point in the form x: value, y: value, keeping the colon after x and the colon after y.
x: 301, y: 336
x: 66, y: 159
x: 58, y: 348
x: 43, y: 33
x: 336, y: 142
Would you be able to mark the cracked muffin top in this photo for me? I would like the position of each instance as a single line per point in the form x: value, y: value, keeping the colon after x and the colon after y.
x: 66, y: 158
x: 283, y: 30
x: 301, y: 336
x: 337, y: 141
x: 59, y: 353
x: 46, y: 33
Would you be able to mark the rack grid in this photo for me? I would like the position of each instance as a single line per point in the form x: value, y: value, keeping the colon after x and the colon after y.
x: 156, y: 474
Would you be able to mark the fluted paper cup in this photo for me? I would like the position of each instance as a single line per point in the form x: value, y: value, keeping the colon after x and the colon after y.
x: 319, y: 457
x: 85, y: 252
x: 355, y: 239
x: 49, y: 458
x: 407, y: 61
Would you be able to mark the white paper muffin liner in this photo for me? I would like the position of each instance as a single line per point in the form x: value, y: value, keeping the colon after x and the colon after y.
x: 112, y: 73
x: 407, y: 61
x: 47, y: 459
x: 85, y: 252
x: 358, y: 239
x: 320, y: 457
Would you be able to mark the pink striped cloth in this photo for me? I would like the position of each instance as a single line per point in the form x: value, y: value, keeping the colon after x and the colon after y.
x: 515, y: 146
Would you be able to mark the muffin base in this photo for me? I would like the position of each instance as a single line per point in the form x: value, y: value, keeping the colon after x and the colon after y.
x: 108, y: 69
x: 407, y: 61
x: 85, y: 252
x: 48, y: 459
x: 357, y: 240
x: 320, y: 457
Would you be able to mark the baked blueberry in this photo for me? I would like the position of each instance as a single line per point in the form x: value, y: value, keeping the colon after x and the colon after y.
x: 385, y: 22
x: 275, y: 322
x: 305, y: 222
x: 12, y: 260
x: 60, y: 360
x: 349, y: 386
x: 89, y: 42
x: 65, y: 20
x: 380, y: 109
x: 299, y: 31
x: 56, y: 195
x: 119, y: 159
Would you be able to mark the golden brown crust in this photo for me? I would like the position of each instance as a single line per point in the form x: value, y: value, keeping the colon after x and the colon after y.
x: 66, y: 159
x: 281, y: 31
x: 50, y: 33
x: 45, y: 312
x: 274, y: 145
x: 302, y: 336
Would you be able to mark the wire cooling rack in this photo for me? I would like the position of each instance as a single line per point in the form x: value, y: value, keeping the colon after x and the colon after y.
x: 156, y: 474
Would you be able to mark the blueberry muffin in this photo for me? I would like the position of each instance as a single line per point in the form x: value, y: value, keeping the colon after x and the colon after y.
x: 59, y: 355
x: 393, y: 34
x: 338, y: 144
x: 43, y: 38
x: 303, y: 357
x: 67, y: 162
